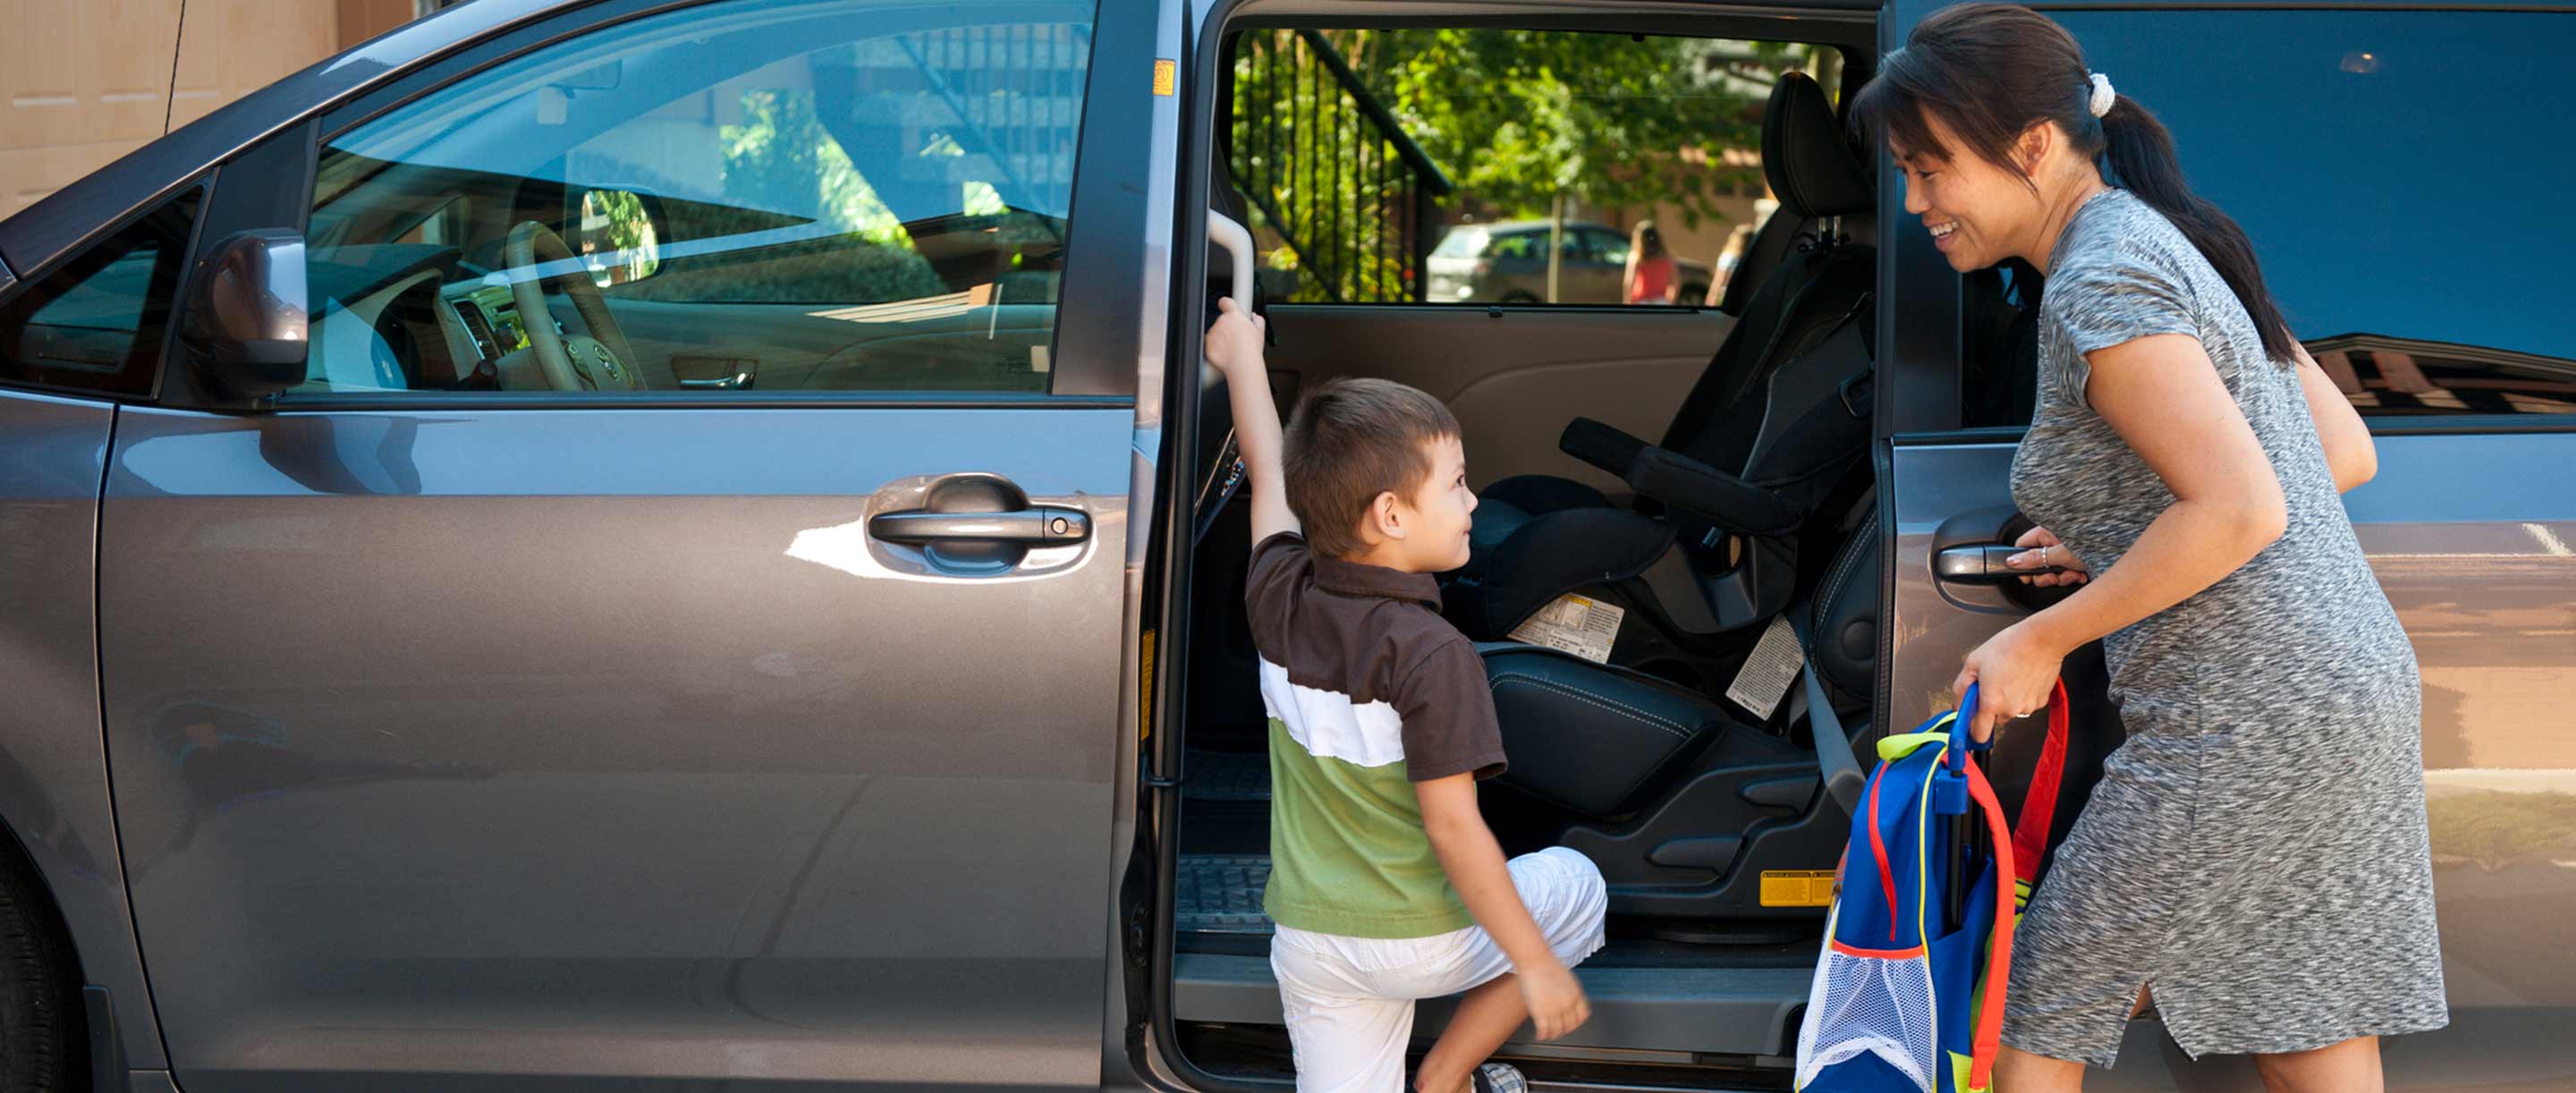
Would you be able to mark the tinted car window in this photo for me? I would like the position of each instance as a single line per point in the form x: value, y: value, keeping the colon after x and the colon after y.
x: 853, y: 195
x: 2400, y: 175
x: 97, y: 323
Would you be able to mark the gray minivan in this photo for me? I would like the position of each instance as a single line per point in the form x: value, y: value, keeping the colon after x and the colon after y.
x: 535, y: 562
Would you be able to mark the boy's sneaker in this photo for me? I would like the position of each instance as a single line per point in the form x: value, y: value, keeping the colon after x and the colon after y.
x: 1489, y: 1078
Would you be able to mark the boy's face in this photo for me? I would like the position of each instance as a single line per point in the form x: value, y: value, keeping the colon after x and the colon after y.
x: 1435, y: 539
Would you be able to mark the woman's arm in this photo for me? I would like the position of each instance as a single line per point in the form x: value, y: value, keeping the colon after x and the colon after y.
x: 2349, y: 452
x: 2164, y: 398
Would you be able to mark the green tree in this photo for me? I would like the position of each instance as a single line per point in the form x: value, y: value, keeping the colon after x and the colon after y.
x: 1520, y: 117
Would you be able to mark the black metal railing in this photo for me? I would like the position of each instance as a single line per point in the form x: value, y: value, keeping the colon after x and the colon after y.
x: 1329, y: 171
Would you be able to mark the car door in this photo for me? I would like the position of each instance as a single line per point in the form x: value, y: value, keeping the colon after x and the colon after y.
x: 77, y: 338
x: 1603, y: 260
x: 2469, y: 391
x: 511, y: 703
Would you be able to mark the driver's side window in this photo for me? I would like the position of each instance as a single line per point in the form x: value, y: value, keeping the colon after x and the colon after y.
x: 834, y: 196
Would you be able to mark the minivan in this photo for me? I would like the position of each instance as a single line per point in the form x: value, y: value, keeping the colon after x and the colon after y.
x: 686, y: 544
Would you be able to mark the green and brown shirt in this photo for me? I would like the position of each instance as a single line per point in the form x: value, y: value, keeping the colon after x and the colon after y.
x: 1369, y: 690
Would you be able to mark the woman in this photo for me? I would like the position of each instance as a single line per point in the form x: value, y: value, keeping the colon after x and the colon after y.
x: 1737, y: 242
x: 2254, y: 862
x: 1650, y: 277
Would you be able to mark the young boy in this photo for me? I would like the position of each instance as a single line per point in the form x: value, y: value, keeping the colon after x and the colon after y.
x: 1384, y: 881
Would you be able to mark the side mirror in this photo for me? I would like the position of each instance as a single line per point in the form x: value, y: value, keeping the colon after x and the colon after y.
x: 245, y: 320
x: 618, y: 238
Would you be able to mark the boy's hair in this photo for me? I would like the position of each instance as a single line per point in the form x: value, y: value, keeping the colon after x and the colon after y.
x: 1349, y: 441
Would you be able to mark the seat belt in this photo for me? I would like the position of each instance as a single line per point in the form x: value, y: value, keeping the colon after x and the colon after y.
x: 1843, y: 777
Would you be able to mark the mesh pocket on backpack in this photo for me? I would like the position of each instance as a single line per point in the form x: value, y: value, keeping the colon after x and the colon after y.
x: 1875, y: 1005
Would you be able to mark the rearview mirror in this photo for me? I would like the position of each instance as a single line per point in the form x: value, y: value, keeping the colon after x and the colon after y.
x: 605, y: 76
x: 245, y: 321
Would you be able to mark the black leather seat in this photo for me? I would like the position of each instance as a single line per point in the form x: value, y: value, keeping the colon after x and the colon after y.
x: 1683, y: 806
x: 1767, y: 435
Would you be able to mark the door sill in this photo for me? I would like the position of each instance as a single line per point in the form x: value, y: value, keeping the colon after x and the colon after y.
x: 1725, y: 1011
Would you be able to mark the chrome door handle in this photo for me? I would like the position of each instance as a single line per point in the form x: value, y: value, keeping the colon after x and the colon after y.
x: 1039, y: 525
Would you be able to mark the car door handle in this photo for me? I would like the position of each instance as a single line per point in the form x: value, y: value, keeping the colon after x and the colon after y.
x: 1039, y: 525
x: 1982, y: 563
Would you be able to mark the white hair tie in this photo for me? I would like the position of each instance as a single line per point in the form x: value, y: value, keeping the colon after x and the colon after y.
x: 2102, y: 95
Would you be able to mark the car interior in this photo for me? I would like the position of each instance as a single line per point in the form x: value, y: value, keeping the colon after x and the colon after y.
x: 1702, y: 753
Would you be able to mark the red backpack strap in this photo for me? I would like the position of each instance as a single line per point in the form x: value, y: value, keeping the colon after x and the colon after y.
x: 1990, y: 1015
x: 2039, y: 808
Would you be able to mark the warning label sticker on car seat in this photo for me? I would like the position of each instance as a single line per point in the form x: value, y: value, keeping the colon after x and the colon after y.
x: 1769, y: 671
x: 1580, y: 625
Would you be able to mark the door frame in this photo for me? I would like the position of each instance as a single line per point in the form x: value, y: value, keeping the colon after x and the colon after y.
x: 1153, y: 1042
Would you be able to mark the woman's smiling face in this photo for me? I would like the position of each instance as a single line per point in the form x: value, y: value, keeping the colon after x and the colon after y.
x: 1979, y: 214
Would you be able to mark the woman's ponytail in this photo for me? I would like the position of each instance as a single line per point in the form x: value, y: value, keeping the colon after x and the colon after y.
x: 2138, y: 156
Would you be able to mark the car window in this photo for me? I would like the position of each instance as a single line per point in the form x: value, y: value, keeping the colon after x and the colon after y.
x: 2394, y: 171
x: 1461, y: 242
x: 1372, y: 161
x: 1516, y: 245
x: 1606, y: 246
x: 97, y: 323
x: 859, y: 195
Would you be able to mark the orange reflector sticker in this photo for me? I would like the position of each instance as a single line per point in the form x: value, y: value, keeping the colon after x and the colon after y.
x: 1797, y: 887
x: 1163, y: 78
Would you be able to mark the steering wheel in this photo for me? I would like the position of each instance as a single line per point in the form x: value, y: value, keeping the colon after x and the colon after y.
x: 600, y: 362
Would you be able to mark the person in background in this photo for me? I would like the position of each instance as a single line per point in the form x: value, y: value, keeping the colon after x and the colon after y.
x: 1737, y: 242
x: 1650, y: 277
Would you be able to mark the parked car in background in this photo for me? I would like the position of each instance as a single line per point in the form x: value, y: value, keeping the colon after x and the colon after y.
x: 1505, y: 262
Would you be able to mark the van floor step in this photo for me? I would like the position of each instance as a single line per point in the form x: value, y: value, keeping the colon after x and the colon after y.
x: 1226, y: 776
x: 1220, y: 893
x: 1731, y: 1011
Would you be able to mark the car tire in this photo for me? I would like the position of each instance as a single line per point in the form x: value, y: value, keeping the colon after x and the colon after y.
x: 42, y: 1024
x: 1520, y: 298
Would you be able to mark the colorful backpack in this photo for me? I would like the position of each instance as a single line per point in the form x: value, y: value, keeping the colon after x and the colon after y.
x: 1909, y: 990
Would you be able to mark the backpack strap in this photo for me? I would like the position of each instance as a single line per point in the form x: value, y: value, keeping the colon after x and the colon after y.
x: 1989, y: 1022
x: 2039, y: 806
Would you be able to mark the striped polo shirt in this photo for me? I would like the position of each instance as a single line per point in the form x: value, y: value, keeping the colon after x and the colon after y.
x: 1369, y: 690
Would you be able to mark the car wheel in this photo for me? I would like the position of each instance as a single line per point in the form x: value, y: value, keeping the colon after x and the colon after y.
x: 42, y: 1032
x: 1520, y: 298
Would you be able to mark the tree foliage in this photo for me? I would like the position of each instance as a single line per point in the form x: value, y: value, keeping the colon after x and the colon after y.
x: 1515, y: 119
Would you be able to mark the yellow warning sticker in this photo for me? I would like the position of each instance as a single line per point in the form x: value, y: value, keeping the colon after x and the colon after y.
x: 1162, y: 78
x: 1797, y: 887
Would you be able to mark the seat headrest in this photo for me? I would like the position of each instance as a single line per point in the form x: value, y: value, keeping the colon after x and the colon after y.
x: 1809, y: 162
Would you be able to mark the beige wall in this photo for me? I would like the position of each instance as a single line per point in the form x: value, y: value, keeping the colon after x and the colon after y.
x: 85, y: 81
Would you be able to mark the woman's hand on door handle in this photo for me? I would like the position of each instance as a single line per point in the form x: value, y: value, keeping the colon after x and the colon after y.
x: 2041, y: 550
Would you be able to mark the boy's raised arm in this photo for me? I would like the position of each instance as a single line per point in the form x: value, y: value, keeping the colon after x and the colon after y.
x: 1234, y: 347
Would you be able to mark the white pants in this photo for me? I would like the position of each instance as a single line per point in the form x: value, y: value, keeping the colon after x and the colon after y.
x: 1349, y: 1000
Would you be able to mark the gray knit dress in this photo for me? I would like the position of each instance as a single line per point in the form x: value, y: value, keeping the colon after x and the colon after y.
x: 2256, y: 849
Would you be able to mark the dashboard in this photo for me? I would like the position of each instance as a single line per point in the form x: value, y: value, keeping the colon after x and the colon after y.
x: 490, y: 316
